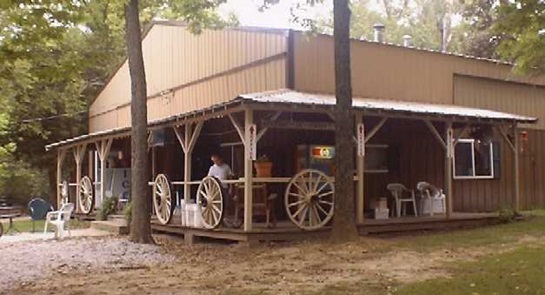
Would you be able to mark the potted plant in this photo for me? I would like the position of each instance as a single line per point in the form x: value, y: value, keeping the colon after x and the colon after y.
x: 263, y: 166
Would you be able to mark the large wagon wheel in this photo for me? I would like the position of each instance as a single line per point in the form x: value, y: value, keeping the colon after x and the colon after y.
x: 162, y: 199
x: 210, y: 198
x: 86, y: 195
x: 309, y: 199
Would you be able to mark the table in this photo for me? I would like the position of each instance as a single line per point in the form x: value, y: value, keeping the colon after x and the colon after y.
x: 10, y: 212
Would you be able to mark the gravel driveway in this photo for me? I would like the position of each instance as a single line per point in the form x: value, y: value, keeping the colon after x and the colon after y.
x: 24, y: 262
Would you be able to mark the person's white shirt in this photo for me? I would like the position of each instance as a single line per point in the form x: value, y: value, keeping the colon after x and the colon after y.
x: 222, y: 172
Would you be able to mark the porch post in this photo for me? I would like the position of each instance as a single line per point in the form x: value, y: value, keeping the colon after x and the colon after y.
x: 61, y: 154
x: 103, y: 151
x: 248, y: 177
x: 79, y: 153
x: 187, y: 164
x: 516, y: 167
x: 448, y: 168
x: 360, y: 159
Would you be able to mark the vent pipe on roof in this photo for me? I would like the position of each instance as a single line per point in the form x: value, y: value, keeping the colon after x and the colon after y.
x: 407, y: 40
x: 379, y: 32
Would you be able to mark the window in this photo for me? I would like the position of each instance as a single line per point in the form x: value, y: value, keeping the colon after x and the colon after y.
x: 474, y: 159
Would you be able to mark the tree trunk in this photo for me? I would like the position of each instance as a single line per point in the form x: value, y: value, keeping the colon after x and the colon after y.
x: 141, y: 203
x: 344, y: 222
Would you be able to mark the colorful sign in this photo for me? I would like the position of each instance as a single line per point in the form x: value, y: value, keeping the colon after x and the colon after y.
x: 322, y: 152
x: 361, y: 139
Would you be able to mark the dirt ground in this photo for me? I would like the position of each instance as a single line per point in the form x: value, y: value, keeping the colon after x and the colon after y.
x: 271, y: 269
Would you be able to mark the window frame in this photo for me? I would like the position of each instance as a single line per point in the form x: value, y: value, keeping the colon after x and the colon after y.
x: 472, y: 142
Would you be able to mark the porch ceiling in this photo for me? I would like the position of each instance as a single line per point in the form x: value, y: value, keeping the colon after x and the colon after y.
x: 288, y: 96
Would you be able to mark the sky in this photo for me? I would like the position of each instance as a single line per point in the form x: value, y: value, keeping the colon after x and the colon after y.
x: 277, y: 16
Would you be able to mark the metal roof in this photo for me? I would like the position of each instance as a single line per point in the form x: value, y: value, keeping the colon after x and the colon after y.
x: 288, y: 96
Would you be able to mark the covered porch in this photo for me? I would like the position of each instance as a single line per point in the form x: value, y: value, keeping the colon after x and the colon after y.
x: 394, y: 142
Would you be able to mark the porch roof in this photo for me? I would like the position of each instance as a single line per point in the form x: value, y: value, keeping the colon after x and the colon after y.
x: 288, y: 96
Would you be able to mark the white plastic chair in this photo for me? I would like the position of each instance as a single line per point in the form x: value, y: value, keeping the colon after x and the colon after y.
x: 432, y: 194
x: 398, y: 190
x: 59, y: 219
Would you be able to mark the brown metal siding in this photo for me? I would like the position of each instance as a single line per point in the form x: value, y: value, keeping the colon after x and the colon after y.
x: 201, y: 95
x: 174, y: 57
x: 503, y: 96
x: 390, y: 72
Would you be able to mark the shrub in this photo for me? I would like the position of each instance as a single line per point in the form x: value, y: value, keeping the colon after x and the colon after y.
x: 128, y: 213
x: 506, y: 215
x: 107, y: 208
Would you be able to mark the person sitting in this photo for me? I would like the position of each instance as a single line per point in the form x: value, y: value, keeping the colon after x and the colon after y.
x: 222, y: 172
x: 219, y: 169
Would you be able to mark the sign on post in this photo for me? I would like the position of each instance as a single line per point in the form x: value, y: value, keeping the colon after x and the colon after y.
x: 361, y: 139
x: 252, y: 142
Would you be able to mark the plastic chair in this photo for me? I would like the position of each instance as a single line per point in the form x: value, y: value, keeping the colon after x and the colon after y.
x: 38, y: 209
x: 59, y: 219
x: 432, y: 194
x: 398, y: 191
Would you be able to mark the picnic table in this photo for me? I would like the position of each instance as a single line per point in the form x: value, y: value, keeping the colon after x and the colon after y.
x: 9, y: 212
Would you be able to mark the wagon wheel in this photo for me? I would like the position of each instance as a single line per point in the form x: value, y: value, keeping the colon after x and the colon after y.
x: 210, y: 198
x: 309, y: 199
x: 86, y: 195
x: 162, y: 199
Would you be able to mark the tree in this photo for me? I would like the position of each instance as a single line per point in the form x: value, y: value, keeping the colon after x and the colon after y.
x: 140, y: 225
x: 521, y: 29
x: 344, y: 223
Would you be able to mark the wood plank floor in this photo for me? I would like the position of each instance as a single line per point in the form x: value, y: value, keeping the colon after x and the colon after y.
x: 286, y: 231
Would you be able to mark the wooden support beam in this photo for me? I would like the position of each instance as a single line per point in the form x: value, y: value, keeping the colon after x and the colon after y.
x: 103, y: 149
x: 194, y: 136
x: 61, y: 155
x: 516, y: 171
x: 265, y: 129
x: 238, y: 128
x: 79, y: 153
x: 436, y: 133
x: 180, y: 138
x: 460, y: 134
x: 248, y: 177
x: 360, y: 159
x: 510, y: 143
x: 187, y: 164
x: 375, y: 129
x: 449, y: 152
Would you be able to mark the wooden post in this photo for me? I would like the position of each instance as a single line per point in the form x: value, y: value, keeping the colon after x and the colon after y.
x: 103, y: 149
x: 61, y: 154
x: 79, y: 153
x: 187, y: 164
x: 516, y: 150
x: 360, y: 199
x: 449, y: 152
x: 248, y: 177
x: 188, y: 141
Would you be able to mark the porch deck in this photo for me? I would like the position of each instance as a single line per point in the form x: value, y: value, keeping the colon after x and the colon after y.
x: 286, y: 231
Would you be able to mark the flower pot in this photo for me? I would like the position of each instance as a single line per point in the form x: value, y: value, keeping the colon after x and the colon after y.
x: 263, y: 169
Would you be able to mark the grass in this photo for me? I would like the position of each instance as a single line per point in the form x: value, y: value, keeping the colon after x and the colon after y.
x: 479, y: 237
x: 26, y: 225
x: 517, y: 272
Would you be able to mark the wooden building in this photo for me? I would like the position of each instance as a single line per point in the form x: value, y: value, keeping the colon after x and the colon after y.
x: 468, y: 125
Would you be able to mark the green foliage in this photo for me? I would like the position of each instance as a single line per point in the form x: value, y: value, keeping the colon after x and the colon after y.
x: 506, y: 214
x: 521, y: 26
x: 108, y: 207
x: 128, y: 213
x: 55, y: 57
